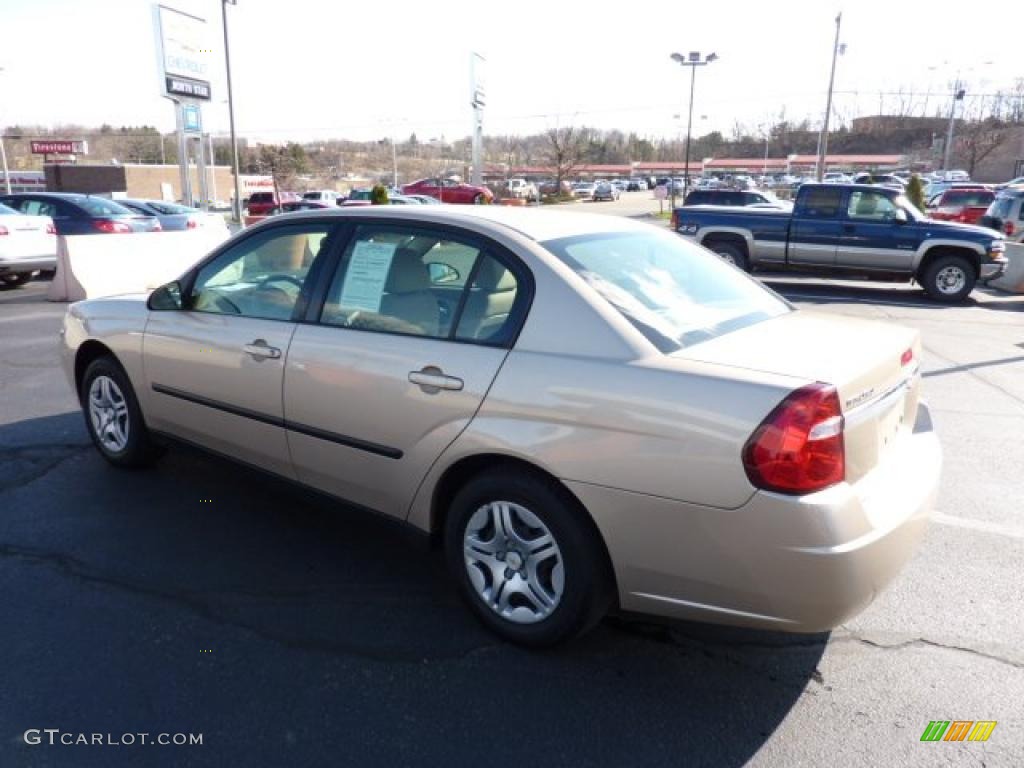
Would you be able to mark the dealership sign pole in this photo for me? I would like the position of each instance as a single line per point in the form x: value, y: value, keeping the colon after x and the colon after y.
x: 184, y: 63
x: 478, y: 100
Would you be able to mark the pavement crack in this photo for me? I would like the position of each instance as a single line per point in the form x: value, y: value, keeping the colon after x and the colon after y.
x: 923, y: 642
x: 22, y: 465
x: 200, y: 604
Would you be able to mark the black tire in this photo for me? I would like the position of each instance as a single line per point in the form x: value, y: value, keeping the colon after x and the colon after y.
x: 730, y: 252
x: 949, y: 279
x: 139, y: 449
x: 15, y: 279
x: 479, y: 199
x: 588, y: 583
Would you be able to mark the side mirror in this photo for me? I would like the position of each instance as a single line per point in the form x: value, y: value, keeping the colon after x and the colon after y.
x: 442, y: 273
x: 166, y: 297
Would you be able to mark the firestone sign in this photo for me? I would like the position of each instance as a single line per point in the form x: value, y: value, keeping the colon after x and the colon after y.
x: 59, y: 147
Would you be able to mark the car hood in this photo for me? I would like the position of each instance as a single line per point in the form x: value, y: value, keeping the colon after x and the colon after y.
x: 938, y: 227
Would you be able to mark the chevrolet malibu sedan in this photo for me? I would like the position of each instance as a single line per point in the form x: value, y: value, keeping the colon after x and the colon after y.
x: 585, y: 412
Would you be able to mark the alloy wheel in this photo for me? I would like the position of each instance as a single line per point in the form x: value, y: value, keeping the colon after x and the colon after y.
x: 108, y: 413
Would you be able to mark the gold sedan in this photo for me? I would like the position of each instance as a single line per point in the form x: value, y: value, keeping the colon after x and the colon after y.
x: 588, y: 413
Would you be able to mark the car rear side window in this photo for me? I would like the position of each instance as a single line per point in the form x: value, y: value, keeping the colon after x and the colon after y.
x: 421, y: 282
x: 821, y: 202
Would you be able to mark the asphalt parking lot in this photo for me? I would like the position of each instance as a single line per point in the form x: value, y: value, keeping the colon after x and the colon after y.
x: 201, y: 598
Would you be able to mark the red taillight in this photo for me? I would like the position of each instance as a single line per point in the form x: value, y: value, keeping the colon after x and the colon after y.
x: 907, y: 357
x: 191, y: 224
x: 4, y: 231
x: 111, y: 227
x: 1008, y: 228
x: 799, y: 447
x: 51, y: 230
x: 157, y: 228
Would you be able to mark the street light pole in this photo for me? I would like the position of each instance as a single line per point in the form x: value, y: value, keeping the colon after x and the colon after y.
x: 236, y: 205
x: 692, y: 61
x: 823, y: 139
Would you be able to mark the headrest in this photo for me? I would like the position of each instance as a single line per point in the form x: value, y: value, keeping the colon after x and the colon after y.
x: 408, y: 273
x: 493, y: 276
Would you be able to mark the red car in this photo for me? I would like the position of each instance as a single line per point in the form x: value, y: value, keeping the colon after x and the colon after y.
x: 263, y: 203
x: 449, y: 191
x: 964, y: 204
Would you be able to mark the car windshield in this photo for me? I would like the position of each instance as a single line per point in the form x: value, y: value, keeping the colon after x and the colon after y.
x: 311, y: 196
x: 902, y: 201
x: 1000, y: 207
x: 169, y: 208
x: 673, y: 292
x: 98, y: 206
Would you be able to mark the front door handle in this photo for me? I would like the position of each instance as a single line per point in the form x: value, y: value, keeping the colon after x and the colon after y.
x: 432, y: 379
x: 260, y: 350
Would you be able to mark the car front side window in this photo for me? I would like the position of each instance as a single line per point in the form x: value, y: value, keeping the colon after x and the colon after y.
x: 262, y: 276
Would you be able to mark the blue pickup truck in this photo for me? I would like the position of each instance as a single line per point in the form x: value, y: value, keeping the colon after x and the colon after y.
x: 852, y: 229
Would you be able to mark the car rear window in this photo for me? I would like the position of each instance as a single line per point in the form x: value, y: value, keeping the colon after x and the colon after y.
x: 967, y: 197
x: 5, y: 211
x: 262, y: 197
x: 167, y: 209
x: 98, y: 206
x: 675, y: 293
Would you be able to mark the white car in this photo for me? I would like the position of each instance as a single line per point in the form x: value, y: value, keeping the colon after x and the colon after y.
x: 325, y: 196
x: 27, y: 244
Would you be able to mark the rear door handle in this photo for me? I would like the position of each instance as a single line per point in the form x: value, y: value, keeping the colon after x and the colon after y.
x: 431, y: 379
x: 260, y: 350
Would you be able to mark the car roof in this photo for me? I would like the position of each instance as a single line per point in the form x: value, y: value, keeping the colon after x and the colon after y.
x: 539, y: 225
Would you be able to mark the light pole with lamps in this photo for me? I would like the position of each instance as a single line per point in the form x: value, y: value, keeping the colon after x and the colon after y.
x: 693, y: 60
x: 3, y: 160
x: 236, y: 205
x: 823, y: 137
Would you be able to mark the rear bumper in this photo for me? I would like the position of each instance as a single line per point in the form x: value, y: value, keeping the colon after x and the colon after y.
x: 15, y: 266
x: 799, y: 564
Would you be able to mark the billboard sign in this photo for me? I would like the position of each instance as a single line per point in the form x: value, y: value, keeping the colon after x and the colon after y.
x: 184, y: 53
x: 59, y: 147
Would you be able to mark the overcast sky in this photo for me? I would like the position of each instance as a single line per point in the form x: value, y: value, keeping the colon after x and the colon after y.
x: 307, y: 69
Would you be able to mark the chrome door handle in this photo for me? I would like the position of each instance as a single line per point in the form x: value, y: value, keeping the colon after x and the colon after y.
x: 261, y: 350
x: 432, y: 379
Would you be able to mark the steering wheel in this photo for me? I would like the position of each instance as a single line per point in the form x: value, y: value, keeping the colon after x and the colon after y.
x: 278, y: 277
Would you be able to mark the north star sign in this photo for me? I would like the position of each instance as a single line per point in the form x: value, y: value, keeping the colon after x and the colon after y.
x: 184, y: 54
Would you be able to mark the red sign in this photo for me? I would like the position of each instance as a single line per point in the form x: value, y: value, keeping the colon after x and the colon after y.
x: 59, y: 147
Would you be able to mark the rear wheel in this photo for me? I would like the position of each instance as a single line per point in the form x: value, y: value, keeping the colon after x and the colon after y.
x: 113, y: 417
x: 526, y: 559
x: 730, y: 252
x: 949, y: 279
x: 16, y: 279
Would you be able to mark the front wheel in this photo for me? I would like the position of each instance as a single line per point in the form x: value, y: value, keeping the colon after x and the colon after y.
x: 479, y: 200
x: 16, y: 279
x: 949, y: 279
x: 113, y: 416
x: 731, y: 253
x: 526, y: 559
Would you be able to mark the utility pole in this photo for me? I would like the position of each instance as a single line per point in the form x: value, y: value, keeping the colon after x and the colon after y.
x: 823, y: 140
x: 236, y: 205
x: 958, y: 95
x: 478, y: 99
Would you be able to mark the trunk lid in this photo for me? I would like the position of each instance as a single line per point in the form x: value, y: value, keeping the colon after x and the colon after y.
x: 863, y: 359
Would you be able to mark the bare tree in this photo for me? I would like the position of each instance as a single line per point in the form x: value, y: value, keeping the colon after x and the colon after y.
x: 978, y: 139
x: 565, y: 145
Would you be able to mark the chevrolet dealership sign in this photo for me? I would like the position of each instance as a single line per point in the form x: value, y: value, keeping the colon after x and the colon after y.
x: 185, y: 54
